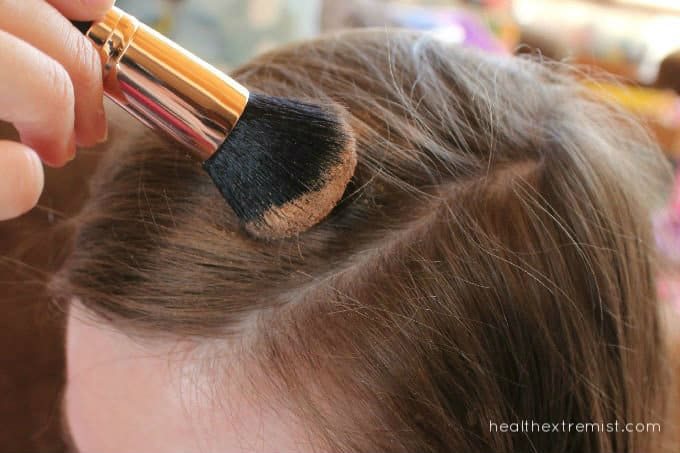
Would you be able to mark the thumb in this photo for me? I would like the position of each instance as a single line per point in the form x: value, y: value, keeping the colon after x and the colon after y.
x: 21, y: 179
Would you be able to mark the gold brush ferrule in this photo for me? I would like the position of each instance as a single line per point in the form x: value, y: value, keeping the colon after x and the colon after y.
x: 164, y: 86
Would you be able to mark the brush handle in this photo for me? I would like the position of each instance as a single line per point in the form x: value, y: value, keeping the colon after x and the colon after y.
x: 165, y: 86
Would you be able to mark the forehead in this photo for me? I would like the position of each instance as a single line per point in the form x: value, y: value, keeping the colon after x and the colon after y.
x: 127, y: 396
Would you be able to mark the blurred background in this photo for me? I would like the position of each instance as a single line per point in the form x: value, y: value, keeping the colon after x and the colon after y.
x: 638, y: 41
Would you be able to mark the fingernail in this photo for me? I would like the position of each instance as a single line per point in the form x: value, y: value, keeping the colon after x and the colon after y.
x: 71, y: 148
x: 101, y: 119
x: 36, y: 168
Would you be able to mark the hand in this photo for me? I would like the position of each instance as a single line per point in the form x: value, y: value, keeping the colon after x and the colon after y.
x: 50, y: 89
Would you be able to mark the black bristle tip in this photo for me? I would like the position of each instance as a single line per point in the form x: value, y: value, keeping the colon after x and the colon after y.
x: 279, y: 151
x: 83, y: 27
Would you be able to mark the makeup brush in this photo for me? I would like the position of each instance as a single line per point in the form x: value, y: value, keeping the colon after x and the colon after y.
x: 281, y: 164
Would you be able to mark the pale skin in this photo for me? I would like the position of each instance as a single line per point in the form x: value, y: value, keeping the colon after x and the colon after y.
x: 50, y: 90
x: 127, y: 395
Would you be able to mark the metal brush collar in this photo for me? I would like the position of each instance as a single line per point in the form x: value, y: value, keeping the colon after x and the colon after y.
x: 165, y: 86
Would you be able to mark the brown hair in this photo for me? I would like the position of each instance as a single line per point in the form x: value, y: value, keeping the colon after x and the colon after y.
x: 491, y: 262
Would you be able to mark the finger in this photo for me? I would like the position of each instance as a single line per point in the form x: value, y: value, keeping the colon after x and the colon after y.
x: 21, y: 179
x: 82, y: 9
x: 37, y: 97
x: 39, y: 24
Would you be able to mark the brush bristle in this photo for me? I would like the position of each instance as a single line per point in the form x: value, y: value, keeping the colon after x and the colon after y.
x: 285, y: 165
x: 83, y: 27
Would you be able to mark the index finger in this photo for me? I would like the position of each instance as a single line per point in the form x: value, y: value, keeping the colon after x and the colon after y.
x: 82, y: 9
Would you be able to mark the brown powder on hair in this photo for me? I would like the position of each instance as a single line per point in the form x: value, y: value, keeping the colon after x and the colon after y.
x: 303, y: 213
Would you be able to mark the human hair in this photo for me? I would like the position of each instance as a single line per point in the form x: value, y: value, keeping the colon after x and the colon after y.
x: 491, y: 261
